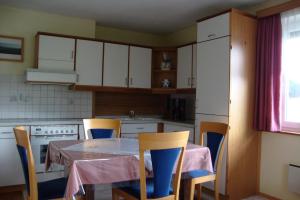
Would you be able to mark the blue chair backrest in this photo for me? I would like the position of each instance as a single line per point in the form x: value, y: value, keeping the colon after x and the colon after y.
x: 24, y: 160
x: 101, y: 133
x: 163, y: 162
x: 214, y: 144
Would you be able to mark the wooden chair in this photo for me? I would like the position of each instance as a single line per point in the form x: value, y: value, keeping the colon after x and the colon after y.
x: 101, y: 128
x: 52, y: 189
x: 164, y: 148
x: 216, y: 135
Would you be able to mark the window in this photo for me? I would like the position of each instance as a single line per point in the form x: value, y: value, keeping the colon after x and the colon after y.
x: 291, y: 70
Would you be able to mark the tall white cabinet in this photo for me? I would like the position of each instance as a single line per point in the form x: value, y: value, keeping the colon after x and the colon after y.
x: 224, y: 93
x: 89, y: 56
x: 186, y: 66
x: 212, y: 93
x: 115, y: 69
x: 140, y: 67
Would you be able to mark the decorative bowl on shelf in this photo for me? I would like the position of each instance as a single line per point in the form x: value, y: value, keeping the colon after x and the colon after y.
x: 166, y: 83
x: 166, y: 62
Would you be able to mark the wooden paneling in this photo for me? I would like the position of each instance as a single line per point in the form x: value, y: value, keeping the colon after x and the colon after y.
x: 243, y: 146
x: 121, y: 104
x: 278, y: 8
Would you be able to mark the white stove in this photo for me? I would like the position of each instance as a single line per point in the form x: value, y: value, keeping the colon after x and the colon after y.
x: 41, y: 135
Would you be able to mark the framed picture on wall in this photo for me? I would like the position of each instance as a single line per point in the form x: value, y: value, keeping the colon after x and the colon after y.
x: 11, y: 48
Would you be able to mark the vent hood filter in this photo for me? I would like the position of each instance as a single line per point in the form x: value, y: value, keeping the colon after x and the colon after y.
x: 40, y: 76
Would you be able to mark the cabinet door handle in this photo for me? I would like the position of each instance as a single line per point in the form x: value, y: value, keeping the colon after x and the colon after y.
x: 189, y: 81
x: 211, y: 35
x: 72, y: 54
x: 140, y: 128
x: 193, y: 82
x: 131, y: 81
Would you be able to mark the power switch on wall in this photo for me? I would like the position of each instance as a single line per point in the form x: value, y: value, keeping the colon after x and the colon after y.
x: 294, y: 178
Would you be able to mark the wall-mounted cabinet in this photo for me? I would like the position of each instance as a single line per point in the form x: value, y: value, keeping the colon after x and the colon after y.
x: 140, y: 67
x: 186, y: 66
x: 164, y: 68
x: 89, y: 60
x: 55, y: 53
x: 115, y: 68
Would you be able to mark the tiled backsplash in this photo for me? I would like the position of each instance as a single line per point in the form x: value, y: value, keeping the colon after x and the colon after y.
x: 20, y: 100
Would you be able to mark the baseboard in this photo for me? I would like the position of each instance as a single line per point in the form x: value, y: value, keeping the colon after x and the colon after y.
x: 13, y: 188
x: 268, y: 196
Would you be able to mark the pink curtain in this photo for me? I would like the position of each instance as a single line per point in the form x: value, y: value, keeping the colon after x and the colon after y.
x: 268, y: 74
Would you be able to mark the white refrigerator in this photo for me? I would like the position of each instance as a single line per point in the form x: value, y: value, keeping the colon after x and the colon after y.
x: 212, y: 92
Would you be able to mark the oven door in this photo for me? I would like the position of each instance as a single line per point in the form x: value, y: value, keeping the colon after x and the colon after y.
x: 39, y: 145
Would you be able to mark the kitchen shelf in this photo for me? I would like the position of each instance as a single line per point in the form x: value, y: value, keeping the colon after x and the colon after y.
x: 132, y: 90
x: 164, y: 71
x: 109, y: 89
x: 163, y: 90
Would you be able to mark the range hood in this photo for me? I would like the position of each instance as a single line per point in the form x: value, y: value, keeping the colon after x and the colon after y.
x: 45, y: 76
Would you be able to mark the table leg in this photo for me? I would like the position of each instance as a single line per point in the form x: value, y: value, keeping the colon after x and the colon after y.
x: 89, y: 192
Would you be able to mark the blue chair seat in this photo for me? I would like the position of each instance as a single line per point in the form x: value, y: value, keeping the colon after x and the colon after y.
x: 196, y: 174
x: 98, y: 133
x: 134, y: 189
x: 52, y: 189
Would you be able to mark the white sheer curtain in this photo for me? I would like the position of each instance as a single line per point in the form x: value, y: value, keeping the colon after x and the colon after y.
x: 291, y: 67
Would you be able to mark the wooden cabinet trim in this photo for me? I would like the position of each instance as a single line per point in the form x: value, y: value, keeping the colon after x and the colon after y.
x: 278, y: 8
x: 91, y: 39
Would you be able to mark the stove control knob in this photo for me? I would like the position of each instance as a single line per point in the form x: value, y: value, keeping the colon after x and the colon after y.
x: 51, y: 132
x: 61, y: 131
x: 67, y: 131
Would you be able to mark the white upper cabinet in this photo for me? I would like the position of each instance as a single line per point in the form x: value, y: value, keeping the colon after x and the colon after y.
x: 89, y: 57
x: 213, y: 28
x: 212, y: 91
x: 140, y: 67
x: 194, y: 68
x: 184, y: 66
x: 56, y: 53
x: 115, y: 69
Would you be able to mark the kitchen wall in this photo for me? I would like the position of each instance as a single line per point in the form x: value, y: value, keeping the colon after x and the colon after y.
x: 19, y: 100
x: 121, y: 35
x: 277, y: 151
x: 26, y: 23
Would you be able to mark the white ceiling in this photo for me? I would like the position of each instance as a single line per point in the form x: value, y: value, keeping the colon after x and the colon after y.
x: 156, y: 16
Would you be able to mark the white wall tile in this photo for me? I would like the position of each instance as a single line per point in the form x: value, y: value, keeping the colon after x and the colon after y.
x: 20, y: 100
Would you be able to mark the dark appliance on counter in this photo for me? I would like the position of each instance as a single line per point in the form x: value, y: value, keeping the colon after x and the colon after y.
x: 177, y: 108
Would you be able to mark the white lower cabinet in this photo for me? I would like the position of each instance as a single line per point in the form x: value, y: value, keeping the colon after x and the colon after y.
x: 11, y: 172
x: 172, y: 127
x: 132, y: 130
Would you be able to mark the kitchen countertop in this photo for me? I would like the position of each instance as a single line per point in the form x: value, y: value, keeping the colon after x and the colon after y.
x: 124, y: 119
x: 150, y: 119
x: 29, y: 122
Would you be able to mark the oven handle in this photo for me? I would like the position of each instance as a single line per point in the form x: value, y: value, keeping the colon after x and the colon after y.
x: 53, y: 136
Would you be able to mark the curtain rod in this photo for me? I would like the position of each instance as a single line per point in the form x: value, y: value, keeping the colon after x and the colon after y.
x: 278, y: 8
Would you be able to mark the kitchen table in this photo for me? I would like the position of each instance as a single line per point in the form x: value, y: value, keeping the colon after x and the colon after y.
x: 106, y: 161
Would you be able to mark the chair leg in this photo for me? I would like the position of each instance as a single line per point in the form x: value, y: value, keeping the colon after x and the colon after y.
x: 192, y: 189
x: 216, y: 190
x: 114, y: 195
x: 199, y: 188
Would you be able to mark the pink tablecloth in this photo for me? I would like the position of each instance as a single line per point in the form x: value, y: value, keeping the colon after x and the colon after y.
x: 98, y: 168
